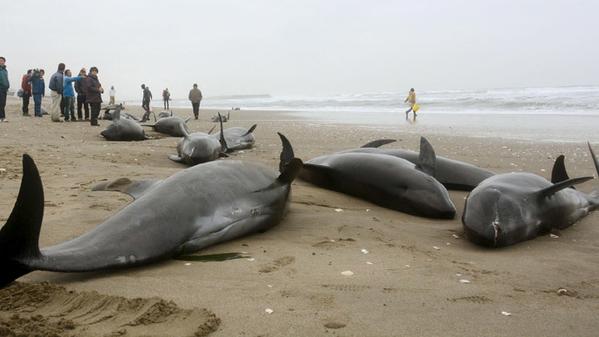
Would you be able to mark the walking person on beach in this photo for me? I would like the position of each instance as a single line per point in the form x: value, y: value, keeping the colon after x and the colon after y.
x: 411, y: 99
x: 4, y: 85
x: 145, y: 102
x: 81, y: 103
x: 195, y: 96
x: 166, y: 97
x: 38, y: 90
x: 69, y: 96
x: 56, y: 87
x: 93, y: 94
x: 26, y: 88
x: 112, y: 94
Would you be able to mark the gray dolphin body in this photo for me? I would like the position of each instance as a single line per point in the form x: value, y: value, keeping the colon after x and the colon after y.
x: 453, y: 174
x: 172, y: 126
x: 238, y: 138
x: 204, y: 205
x: 384, y: 180
x: 123, y: 129
x: 510, y: 208
x: 200, y: 147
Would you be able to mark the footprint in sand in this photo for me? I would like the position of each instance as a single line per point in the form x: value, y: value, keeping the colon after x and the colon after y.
x: 49, y: 310
x: 277, y: 264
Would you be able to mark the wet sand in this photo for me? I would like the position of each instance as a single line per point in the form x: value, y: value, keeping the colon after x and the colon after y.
x: 408, y: 284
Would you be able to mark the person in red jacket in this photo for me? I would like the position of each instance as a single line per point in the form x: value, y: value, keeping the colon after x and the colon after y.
x: 26, y: 87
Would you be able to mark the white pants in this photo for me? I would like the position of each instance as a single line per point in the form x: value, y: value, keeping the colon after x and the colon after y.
x: 55, y: 107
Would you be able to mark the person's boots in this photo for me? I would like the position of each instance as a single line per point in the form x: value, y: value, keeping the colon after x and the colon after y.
x: 196, y: 115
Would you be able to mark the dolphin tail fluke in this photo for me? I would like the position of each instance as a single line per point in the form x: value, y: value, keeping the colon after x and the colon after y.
x: 378, y: 143
x: 289, y: 166
x: 250, y: 130
x: 426, y: 158
x: 19, y: 238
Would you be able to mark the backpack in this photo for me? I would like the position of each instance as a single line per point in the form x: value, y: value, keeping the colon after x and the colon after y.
x: 53, y: 83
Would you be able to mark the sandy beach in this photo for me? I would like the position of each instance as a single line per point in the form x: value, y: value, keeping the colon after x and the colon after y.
x: 411, y: 276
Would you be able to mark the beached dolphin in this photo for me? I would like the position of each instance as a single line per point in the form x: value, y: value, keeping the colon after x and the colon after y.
x: 513, y: 207
x: 123, y: 129
x: 238, y: 138
x: 199, y: 147
x: 384, y: 180
x: 190, y: 210
x: 453, y: 174
x: 164, y: 114
x: 172, y: 126
x: 224, y: 118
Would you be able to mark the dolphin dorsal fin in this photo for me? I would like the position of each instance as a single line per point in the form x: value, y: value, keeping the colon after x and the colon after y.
x: 558, y: 173
x: 426, y: 158
x: 134, y: 188
x: 250, y: 130
x: 286, y: 154
x: 378, y: 143
x: 19, y: 237
x: 594, y: 158
x: 551, y: 190
x: 289, y: 166
x: 222, y: 140
x: 117, y: 113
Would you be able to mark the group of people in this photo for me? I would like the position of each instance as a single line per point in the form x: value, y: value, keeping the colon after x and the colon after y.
x: 87, y: 88
x: 195, y: 96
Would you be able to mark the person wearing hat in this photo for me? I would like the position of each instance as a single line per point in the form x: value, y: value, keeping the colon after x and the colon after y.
x: 93, y: 94
x: 195, y: 96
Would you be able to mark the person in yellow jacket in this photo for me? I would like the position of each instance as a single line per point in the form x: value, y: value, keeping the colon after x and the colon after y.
x: 411, y: 99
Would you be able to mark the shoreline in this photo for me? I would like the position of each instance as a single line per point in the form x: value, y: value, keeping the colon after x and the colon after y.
x: 410, y: 288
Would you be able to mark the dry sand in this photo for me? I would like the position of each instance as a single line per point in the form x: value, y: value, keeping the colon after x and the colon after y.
x: 408, y: 284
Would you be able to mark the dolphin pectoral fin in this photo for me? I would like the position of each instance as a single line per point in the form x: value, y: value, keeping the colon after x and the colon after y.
x: 134, y: 188
x: 250, y: 130
x: 378, y: 143
x: 549, y: 191
x: 426, y: 158
x: 558, y: 173
x: 175, y: 158
x: 19, y: 237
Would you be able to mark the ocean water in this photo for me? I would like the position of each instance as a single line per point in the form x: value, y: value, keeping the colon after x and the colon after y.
x: 549, y: 114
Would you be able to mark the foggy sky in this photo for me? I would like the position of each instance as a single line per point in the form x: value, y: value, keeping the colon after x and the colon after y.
x: 307, y: 47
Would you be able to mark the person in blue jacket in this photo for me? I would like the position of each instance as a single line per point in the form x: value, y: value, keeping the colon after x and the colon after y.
x: 69, y: 95
x: 38, y: 90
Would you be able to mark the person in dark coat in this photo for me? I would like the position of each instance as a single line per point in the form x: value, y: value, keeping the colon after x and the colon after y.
x: 38, y: 90
x: 81, y: 103
x: 26, y: 88
x: 93, y: 94
x: 4, y: 85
